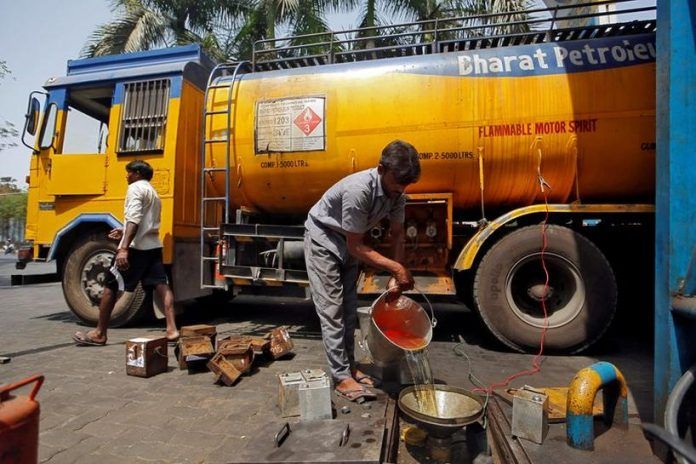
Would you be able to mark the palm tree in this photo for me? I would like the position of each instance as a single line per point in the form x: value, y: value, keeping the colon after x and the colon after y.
x: 226, y: 29
x: 504, y: 11
x: 427, y: 11
x: 147, y: 24
x: 370, y: 19
x: 297, y: 17
x: 496, y: 11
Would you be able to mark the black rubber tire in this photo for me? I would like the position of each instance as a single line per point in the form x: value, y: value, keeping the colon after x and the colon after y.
x: 584, y: 303
x: 86, y: 308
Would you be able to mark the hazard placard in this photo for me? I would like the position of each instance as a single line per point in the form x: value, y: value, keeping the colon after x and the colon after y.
x: 290, y: 124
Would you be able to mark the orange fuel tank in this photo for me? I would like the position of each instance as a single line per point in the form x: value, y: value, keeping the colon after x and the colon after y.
x: 581, y: 113
x: 19, y: 423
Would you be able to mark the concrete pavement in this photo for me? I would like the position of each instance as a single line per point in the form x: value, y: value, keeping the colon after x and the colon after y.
x: 93, y: 412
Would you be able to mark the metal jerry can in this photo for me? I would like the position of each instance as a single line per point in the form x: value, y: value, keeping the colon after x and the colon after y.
x: 19, y: 423
x: 146, y: 357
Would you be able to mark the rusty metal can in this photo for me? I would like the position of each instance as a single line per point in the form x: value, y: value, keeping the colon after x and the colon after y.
x: 194, y: 351
x: 146, y: 357
x: 224, y: 370
x: 281, y: 344
x: 288, y: 393
x: 209, y: 331
x: 258, y: 344
x: 240, y: 355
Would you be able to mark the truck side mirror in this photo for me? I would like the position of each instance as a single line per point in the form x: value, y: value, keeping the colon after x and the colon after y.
x: 31, y: 119
x: 32, y: 116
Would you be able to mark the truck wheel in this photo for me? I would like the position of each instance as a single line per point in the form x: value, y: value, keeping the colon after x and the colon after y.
x: 580, y: 301
x: 83, y: 276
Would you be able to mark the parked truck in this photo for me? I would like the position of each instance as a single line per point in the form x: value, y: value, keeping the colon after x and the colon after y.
x: 517, y: 126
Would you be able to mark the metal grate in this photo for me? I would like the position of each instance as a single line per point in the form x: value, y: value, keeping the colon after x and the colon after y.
x: 144, y: 116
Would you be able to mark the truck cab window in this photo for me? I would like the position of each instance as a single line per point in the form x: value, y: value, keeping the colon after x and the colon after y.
x: 49, y: 127
x: 144, y: 116
x: 87, y: 118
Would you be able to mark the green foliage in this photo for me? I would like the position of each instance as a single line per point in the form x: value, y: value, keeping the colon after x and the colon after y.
x: 228, y: 30
x: 13, y: 204
x: 148, y: 24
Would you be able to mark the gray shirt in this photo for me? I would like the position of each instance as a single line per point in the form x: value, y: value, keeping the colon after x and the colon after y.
x: 354, y: 204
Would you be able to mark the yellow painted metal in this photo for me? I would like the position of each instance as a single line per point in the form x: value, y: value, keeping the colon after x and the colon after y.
x: 449, y: 120
x: 584, y: 387
x: 81, y: 174
x: 435, y: 283
x: 187, y: 165
x: 582, y: 391
x: 468, y: 254
x: 558, y: 402
x: 75, y: 184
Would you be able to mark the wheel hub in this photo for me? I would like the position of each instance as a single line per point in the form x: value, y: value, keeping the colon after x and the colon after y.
x: 540, y: 292
x: 94, y: 274
x: 529, y: 296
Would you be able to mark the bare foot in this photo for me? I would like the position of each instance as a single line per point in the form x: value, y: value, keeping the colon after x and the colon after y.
x: 173, y: 335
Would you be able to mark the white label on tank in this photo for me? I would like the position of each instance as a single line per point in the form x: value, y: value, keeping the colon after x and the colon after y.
x: 290, y: 125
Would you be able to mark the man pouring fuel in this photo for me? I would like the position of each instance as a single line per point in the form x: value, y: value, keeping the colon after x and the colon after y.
x: 334, y: 247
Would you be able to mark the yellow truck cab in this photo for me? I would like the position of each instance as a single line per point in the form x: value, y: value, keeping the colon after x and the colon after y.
x: 104, y: 113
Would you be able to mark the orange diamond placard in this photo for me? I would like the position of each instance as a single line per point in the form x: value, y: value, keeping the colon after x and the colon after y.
x: 307, y: 120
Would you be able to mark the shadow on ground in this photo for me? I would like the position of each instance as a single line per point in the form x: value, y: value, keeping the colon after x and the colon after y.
x: 628, y: 343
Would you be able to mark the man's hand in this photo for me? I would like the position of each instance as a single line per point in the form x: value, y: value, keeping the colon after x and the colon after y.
x: 116, y: 234
x: 122, y: 259
x: 400, y: 282
x: 404, y: 279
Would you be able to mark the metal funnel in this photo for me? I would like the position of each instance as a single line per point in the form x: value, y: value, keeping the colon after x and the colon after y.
x: 456, y: 408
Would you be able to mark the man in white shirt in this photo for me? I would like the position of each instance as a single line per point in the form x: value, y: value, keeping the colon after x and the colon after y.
x: 139, y: 255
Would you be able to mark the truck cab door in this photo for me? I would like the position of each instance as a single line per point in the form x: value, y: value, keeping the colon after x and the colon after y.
x: 77, y: 157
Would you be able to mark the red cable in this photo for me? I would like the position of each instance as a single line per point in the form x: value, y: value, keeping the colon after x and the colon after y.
x: 536, y: 362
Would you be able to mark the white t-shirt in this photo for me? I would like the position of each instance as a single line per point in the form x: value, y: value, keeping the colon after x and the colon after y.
x: 143, y: 207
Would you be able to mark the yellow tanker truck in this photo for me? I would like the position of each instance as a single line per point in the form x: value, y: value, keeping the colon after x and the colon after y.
x: 514, y: 129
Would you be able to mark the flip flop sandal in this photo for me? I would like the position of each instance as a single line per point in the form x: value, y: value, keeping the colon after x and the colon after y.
x: 358, y: 396
x: 372, y: 381
x: 84, y: 339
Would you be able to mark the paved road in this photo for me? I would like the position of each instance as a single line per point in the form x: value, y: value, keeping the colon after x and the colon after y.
x: 93, y: 412
x: 7, y: 268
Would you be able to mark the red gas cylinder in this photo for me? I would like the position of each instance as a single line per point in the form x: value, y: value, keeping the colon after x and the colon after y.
x: 19, y: 423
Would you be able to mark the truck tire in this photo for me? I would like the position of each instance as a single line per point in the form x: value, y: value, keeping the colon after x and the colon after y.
x: 509, y: 288
x: 83, y: 275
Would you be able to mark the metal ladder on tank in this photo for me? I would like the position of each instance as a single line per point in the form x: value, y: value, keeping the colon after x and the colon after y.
x: 212, y: 231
